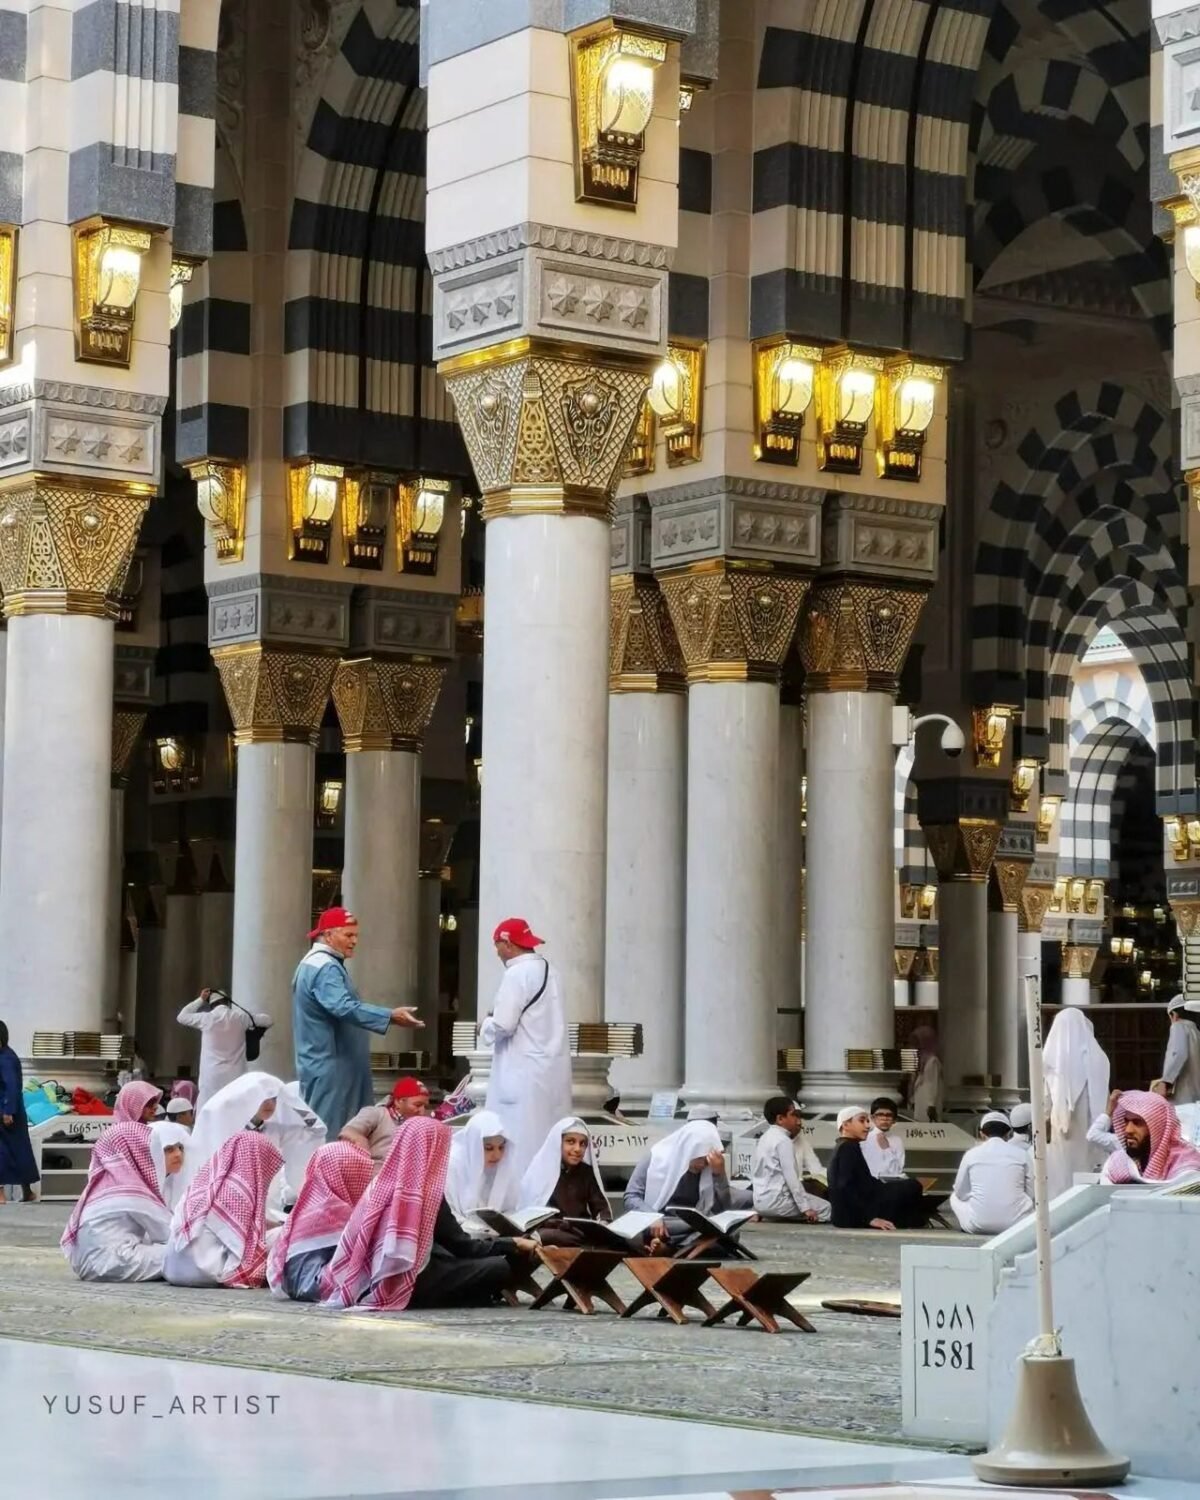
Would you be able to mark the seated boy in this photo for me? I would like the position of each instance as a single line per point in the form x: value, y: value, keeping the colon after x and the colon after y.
x: 778, y: 1189
x: 994, y: 1186
x: 884, y: 1156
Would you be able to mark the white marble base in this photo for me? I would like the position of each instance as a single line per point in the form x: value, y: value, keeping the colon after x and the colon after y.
x: 273, y: 882
x: 545, y: 747
x: 54, y: 858
x: 732, y: 943
x: 851, y: 923
x: 645, y: 903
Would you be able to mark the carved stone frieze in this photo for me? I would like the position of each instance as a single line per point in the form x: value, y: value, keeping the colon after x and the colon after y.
x: 728, y: 516
x: 551, y: 237
x: 631, y: 534
x: 1179, y: 26
x: 385, y: 704
x: 274, y: 696
x: 883, y: 536
x: 644, y: 655
x: 1035, y: 900
x: 403, y: 621
x: 133, y: 675
x: 66, y: 549
x: 546, y: 430
x: 963, y: 851
x: 1006, y: 882
x: 854, y: 636
x: 284, y: 610
x: 734, y: 621
x: 127, y: 726
x: 231, y: 83
x: 320, y: 27
x: 80, y: 432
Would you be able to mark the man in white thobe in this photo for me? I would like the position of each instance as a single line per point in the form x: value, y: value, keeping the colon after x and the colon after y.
x: 222, y: 1026
x: 994, y: 1186
x: 778, y: 1187
x: 530, y: 1082
x: 1181, y: 1065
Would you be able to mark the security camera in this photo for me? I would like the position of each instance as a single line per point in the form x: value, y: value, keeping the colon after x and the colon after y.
x: 954, y: 741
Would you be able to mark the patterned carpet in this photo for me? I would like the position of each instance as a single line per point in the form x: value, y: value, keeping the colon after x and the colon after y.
x: 843, y: 1381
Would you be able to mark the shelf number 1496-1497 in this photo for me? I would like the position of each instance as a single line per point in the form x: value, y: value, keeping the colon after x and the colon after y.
x: 949, y: 1342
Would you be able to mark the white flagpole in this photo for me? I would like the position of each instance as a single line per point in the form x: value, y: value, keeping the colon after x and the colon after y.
x: 1048, y: 1340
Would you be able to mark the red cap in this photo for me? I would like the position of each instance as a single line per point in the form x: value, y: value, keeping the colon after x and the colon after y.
x: 516, y: 930
x: 409, y: 1088
x: 331, y: 920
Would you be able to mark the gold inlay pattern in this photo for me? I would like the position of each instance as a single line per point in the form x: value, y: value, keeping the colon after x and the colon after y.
x: 854, y: 636
x: 734, y: 621
x: 66, y: 549
x: 386, y: 705
x: 1008, y: 877
x: 274, y: 696
x: 644, y: 655
x: 963, y: 851
x: 127, y: 725
x: 1034, y: 904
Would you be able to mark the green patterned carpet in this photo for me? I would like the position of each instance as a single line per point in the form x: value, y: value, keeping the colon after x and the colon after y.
x: 842, y: 1381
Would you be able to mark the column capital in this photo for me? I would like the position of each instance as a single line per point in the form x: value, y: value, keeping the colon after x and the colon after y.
x: 547, y: 425
x: 1078, y: 960
x: 385, y: 703
x: 905, y: 961
x: 127, y: 726
x: 66, y: 545
x: 644, y: 655
x: 1035, y: 899
x: 735, y: 621
x: 274, y: 696
x: 963, y: 851
x: 1187, y: 917
x: 855, y: 634
x: 1006, y: 883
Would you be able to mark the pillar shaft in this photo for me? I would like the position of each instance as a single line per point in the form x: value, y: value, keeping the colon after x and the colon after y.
x: 1004, y: 1001
x: 379, y: 875
x: 429, y: 963
x: 789, y: 868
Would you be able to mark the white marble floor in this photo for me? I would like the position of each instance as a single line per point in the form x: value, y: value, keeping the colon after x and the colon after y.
x: 97, y: 1424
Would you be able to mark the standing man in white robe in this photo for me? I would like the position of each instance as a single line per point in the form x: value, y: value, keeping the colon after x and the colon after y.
x: 222, y: 1026
x: 530, y: 1083
x: 1181, y: 1065
x: 1077, y: 1072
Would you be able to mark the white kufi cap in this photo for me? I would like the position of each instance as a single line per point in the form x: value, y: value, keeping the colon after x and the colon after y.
x: 850, y: 1112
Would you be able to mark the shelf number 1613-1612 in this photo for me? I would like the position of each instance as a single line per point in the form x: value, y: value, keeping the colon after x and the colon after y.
x: 949, y: 1342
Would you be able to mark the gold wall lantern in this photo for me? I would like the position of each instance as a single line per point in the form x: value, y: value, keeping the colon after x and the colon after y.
x: 1047, y: 812
x: 907, y: 400
x: 313, y: 491
x: 108, y: 276
x: 785, y: 378
x: 990, y: 726
x: 329, y: 803
x: 221, y: 500
x: 927, y: 903
x: 1177, y: 836
x: 845, y: 404
x: 676, y: 397
x: 641, y: 458
x: 367, y: 501
x: 1059, y: 900
x: 612, y: 99
x: 8, y: 289
x: 420, y: 515
x: 1093, y: 901
x: 1024, y: 779
x: 182, y: 272
x: 1076, y: 891
x: 176, y: 766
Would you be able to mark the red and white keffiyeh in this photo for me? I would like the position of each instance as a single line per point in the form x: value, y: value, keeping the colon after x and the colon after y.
x: 121, y: 1180
x: 133, y: 1099
x: 386, y: 1243
x: 228, y: 1196
x: 1170, y: 1155
x: 337, y: 1177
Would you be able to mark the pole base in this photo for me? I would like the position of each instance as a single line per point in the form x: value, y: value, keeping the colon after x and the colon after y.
x: 1049, y: 1442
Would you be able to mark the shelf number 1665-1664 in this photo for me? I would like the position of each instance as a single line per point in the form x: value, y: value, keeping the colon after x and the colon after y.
x: 949, y: 1343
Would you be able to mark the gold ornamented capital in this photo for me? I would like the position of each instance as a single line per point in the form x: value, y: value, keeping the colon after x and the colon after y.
x: 548, y: 426
x: 1006, y: 882
x: 735, y: 621
x: 963, y: 851
x: 385, y: 704
x: 1078, y: 961
x: 66, y: 547
x: 905, y: 961
x: 1034, y: 904
x: 644, y: 655
x: 127, y: 726
x: 854, y: 636
x: 925, y: 965
x: 1187, y: 917
x: 274, y: 696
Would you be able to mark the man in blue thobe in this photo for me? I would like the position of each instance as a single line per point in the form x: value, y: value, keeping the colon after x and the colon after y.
x: 330, y: 1024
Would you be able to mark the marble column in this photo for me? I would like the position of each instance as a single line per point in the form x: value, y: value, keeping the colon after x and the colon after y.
x: 545, y: 677
x: 925, y: 978
x: 1005, y: 999
x: 277, y: 700
x: 1078, y: 962
x: 127, y: 725
x: 647, y: 835
x: 180, y: 973
x: 3, y: 670
x: 54, y: 861
x: 735, y: 624
x: 215, y: 967
x: 853, y: 647
x: 385, y: 706
x: 1035, y: 902
x: 468, y: 961
x: 429, y: 961
x: 789, y: 869
x: 963, y: 853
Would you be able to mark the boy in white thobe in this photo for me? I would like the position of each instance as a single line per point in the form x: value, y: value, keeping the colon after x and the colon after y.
x: 530, y: 1082
x: 994, y: 1186
x: 882, y: 1154
x: 778, y: 1189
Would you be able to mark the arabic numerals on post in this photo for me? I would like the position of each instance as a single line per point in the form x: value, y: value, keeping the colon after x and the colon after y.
x: 949, y: 1337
